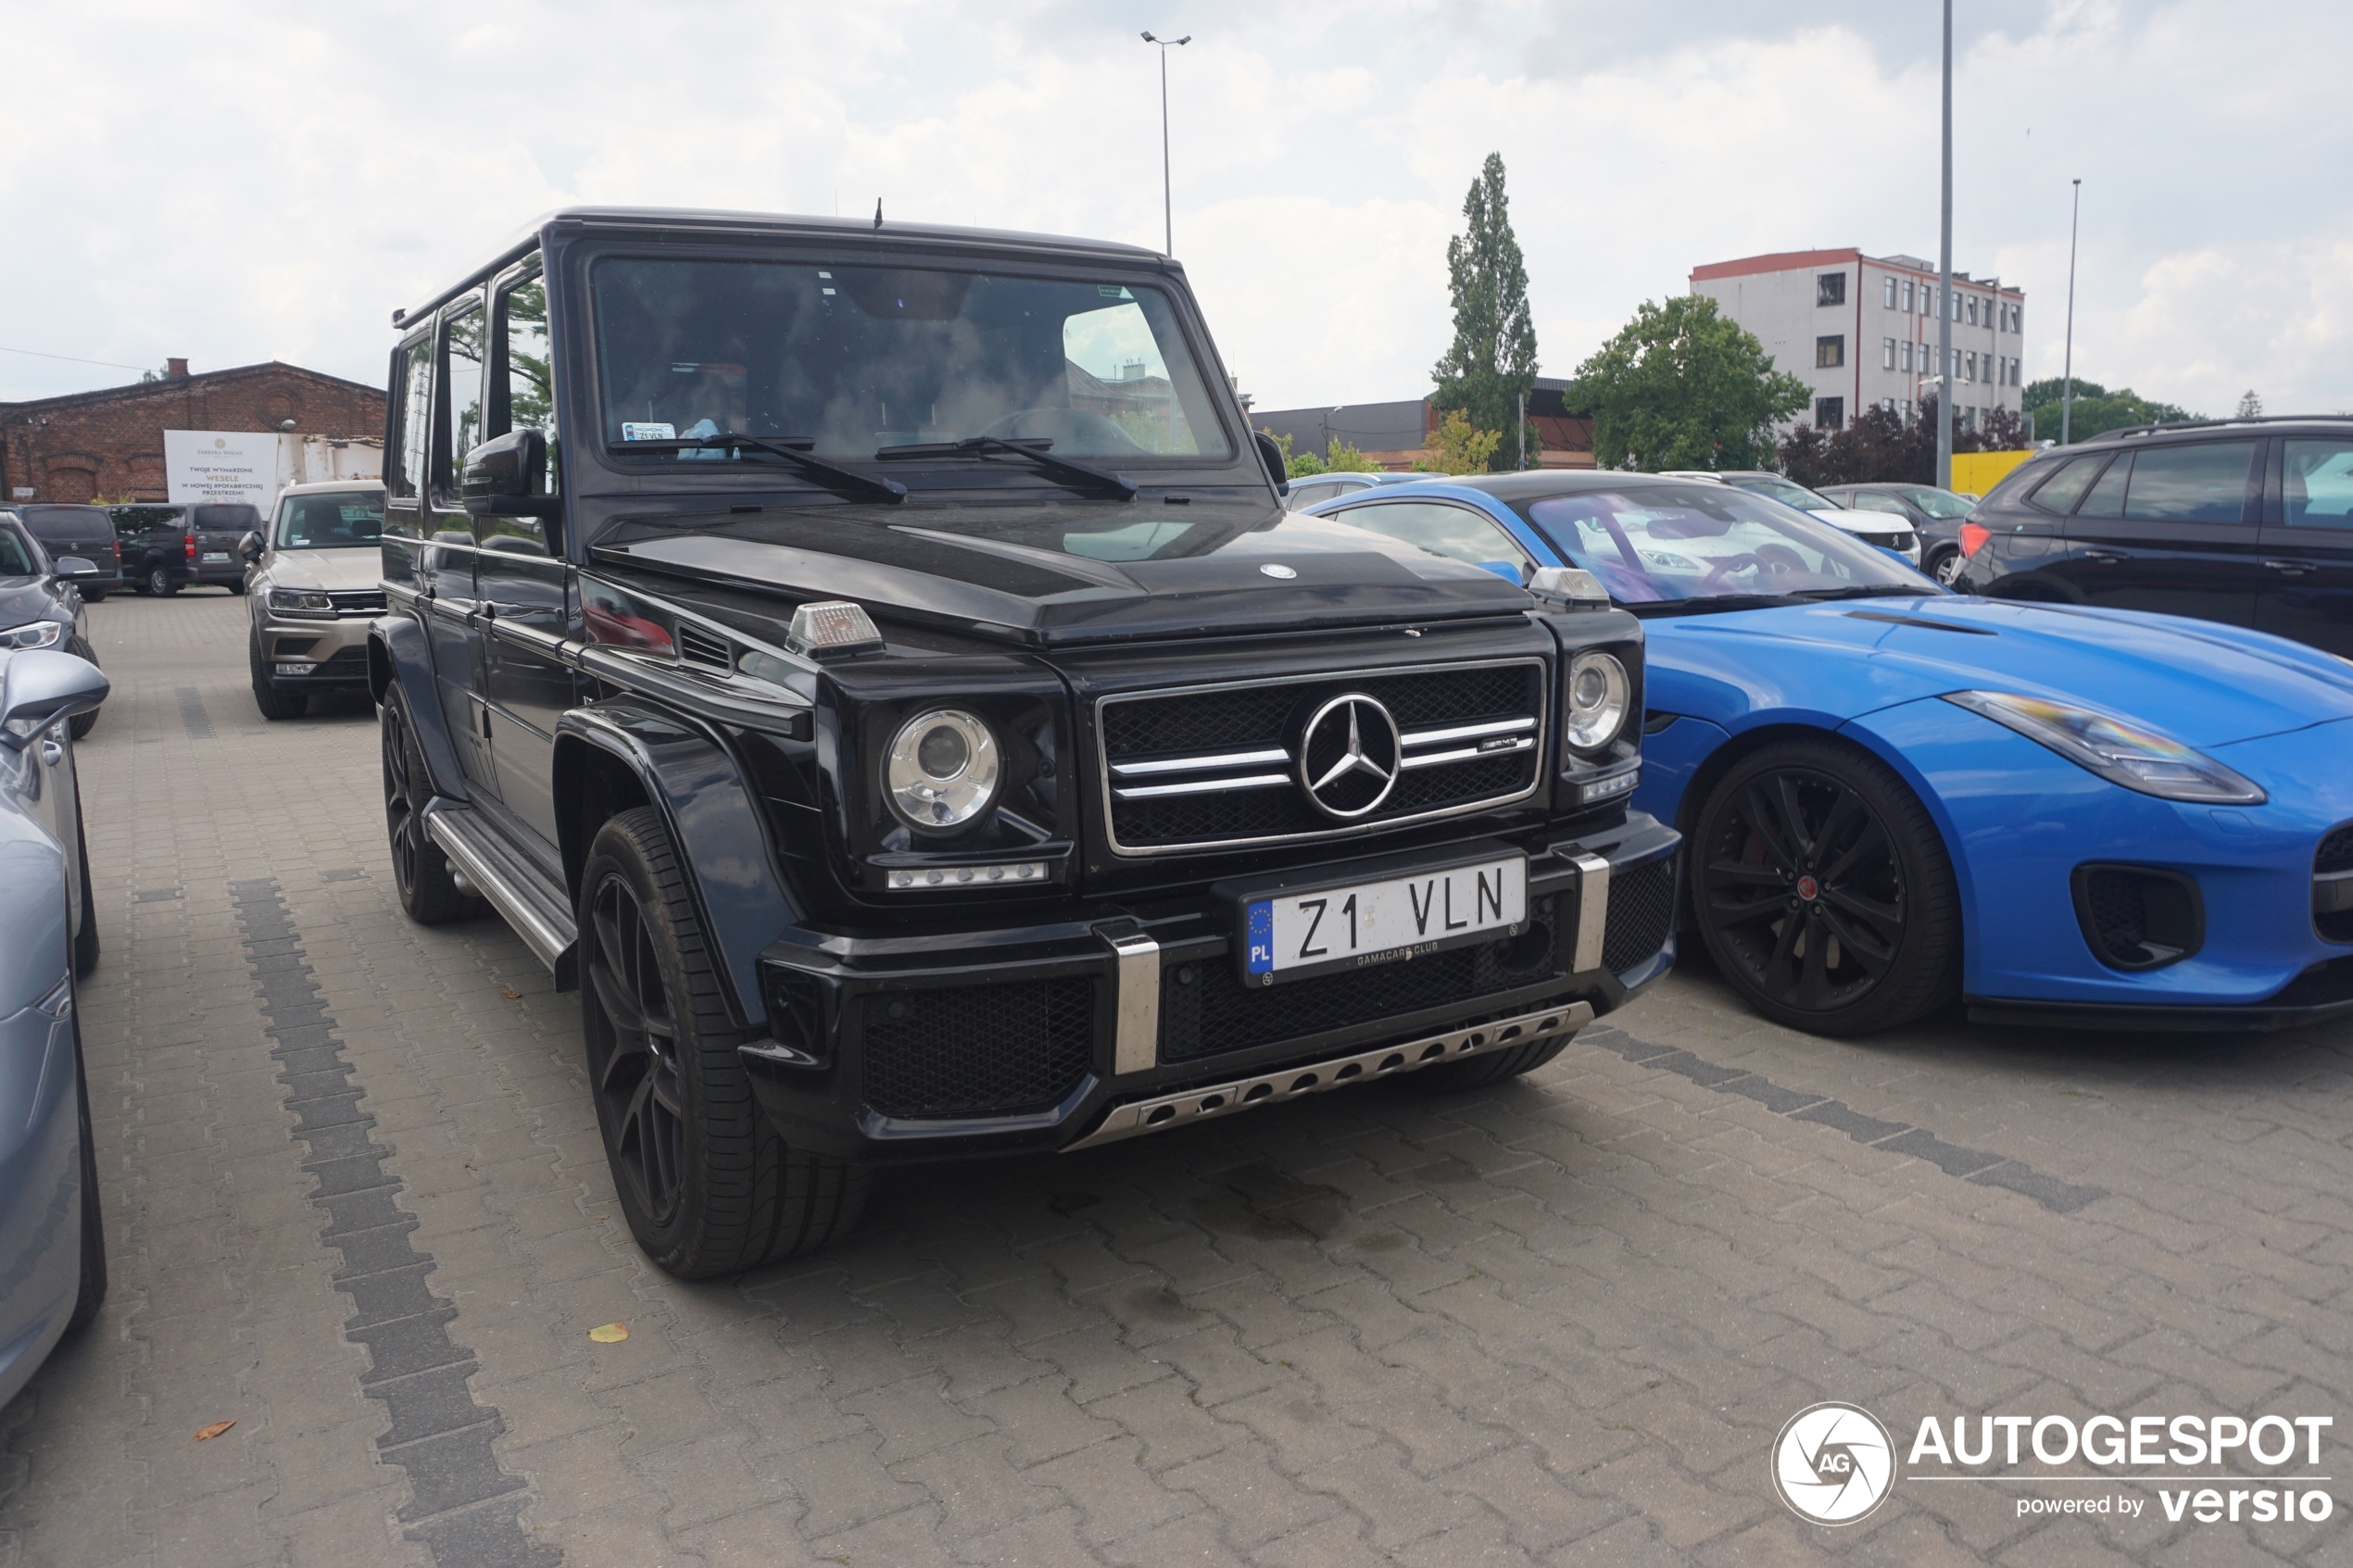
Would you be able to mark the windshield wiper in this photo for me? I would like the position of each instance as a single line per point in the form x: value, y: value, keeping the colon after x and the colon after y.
x: 1075, y: 476
x: 1863, y: 591
x: 792, y: 450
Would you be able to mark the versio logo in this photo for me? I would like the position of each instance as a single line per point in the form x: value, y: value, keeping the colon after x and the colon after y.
x: 1833, y: 1463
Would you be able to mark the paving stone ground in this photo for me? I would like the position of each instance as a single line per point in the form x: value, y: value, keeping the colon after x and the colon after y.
x: 1561, y: 1321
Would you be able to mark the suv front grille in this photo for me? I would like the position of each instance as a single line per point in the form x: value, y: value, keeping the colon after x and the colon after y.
x: 978, y: 1050
x: 1206, y: 1010
x: 1220, y: 765
x: 363, y: 601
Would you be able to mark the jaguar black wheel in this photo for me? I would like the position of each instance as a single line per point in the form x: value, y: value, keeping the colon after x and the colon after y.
x: 1823, y: 890
x: 707, y: 1185
x: 419, y: 870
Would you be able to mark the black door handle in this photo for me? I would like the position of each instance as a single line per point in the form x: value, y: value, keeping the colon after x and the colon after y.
x: 2288, y: 568
x: 2106, y: 558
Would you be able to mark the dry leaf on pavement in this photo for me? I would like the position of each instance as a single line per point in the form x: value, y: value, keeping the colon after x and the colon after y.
x: 206, y: 1433
x: 610, y: 1332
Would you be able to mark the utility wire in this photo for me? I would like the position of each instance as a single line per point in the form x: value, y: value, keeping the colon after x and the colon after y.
x: 75, y: 358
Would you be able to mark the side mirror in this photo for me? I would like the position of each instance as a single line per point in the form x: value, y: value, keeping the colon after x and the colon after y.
x: 250, y: 546
x: 43, y: 686
x: 1568, y: 585
x: 1271, y: 455
x: 76, y: 565
x: 499, y: 473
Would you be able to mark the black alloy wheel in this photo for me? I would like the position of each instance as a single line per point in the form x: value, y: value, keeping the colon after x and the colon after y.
x: 1824, y: 892
x: 707, y: 1185
x: 159, y: 584
x: 420, y: 869
x: 90, y: 1292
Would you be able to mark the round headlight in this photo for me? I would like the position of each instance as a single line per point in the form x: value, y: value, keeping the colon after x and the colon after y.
x: 942, y: 770
x: 1598, y: 690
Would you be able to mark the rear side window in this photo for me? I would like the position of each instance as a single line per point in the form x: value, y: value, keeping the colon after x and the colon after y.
x: 2204, y: 483
x: 416, y: 416
x: 16, y: 560
x: 2062, y: 490
x: 2317, y: 484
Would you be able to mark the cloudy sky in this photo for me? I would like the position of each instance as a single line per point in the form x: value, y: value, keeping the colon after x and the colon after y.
x: 247, y: 180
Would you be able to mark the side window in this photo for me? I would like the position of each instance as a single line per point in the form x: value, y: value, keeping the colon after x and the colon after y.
x: 1872, y: 501
x: 415, y: 392
x: 2316, y: 487
x: 2107, y: 499
x: 1455, y: 531
x: 2201, y: 483
x: 2062, y: 490
x: 523, y: 386
x: 462, y: 345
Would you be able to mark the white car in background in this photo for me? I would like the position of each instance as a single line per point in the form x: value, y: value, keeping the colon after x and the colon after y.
x: 1873, y: 527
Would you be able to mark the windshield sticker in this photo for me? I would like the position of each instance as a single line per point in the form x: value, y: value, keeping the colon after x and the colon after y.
x: 655, y: 431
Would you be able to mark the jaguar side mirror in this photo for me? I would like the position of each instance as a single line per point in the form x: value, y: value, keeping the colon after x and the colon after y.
x: 1271, y: 455
x: 43, y: 686
x: 76, y: 565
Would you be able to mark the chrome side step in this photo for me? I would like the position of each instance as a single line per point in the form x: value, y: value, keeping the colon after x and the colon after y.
x: 1165, y: 1111
x: 530, y: 901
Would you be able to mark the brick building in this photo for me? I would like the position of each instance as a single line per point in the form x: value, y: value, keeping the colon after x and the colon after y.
x: 108, y: 444
x: 1397, y: 435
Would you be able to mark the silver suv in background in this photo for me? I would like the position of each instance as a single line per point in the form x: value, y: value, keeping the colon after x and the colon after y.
x: 314, y: 583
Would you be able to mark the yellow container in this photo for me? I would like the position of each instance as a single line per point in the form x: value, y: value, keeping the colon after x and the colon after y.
x: 1976, y: 473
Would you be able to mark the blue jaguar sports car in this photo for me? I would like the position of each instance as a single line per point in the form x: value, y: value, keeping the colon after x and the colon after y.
x: 1894, y: 795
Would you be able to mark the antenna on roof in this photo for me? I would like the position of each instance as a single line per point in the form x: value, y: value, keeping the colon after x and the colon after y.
x: 878, y: 212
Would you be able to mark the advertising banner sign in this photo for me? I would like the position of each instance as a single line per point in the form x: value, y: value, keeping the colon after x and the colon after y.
x: 221, y: 465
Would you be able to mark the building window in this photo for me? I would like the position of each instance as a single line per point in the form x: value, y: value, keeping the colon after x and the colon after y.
x: 1887, y: 353
x: 1830, y: 353
x: 1830, y: 288
x: 1973, y: 311
x: 1829, y: 413
x: 1968, y: 367
x: 1888, y: 289
x: 1903, y: 355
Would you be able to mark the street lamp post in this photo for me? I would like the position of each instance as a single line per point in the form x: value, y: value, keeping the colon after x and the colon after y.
x: 1945, y: 284
x: 1167, y: 202
x: 2067, y: 391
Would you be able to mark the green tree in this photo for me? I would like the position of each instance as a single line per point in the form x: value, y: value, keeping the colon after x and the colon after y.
x: 1461, y: 447
x: 1492, y: 365
x: 1340, y: 457
x: 2098, y: 411
x: 1681, y: 386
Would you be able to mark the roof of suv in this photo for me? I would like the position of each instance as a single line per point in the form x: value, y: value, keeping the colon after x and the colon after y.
x: 875, y: 231
x: 2334, y: 424
x: 313, y: 486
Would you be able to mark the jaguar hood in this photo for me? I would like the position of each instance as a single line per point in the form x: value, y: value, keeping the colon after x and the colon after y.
x: 2204, y: 683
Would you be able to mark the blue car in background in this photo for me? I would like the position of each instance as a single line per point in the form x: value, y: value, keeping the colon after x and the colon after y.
x: 53, y: 1249
x: 1894, y: 795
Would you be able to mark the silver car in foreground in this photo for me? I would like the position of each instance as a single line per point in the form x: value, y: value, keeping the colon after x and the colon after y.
x: 53, y: 1250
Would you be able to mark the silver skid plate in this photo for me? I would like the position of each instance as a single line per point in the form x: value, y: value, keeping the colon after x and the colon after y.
x: 1167, y: 1111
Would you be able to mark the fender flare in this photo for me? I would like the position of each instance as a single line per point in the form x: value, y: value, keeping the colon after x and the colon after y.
x: 398, y: 652
x: 688, y: 774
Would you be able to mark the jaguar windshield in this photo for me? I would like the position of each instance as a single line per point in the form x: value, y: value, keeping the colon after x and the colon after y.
x: 845, y: 361
x: 1679, y: 543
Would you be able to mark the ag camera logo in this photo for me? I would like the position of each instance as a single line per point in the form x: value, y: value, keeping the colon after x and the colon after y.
x: 1833, y: 1463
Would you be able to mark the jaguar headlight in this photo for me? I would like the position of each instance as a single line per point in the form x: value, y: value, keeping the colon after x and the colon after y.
x: 2118, y: 751
x: 33, y: 634
x: 1597, y: 700
x: 942, y: 770
x: 302, y: 603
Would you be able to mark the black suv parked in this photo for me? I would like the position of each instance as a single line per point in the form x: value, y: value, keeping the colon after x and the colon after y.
x: 166, y: 548
x: 2244, y: 521
x: 910, y: 717
x: 83, y: 533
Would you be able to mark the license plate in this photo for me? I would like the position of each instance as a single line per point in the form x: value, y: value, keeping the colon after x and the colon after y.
x: 216, y: 554
x: 1354, y: 927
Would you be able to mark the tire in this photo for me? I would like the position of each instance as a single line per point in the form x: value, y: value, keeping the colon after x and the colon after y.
x: 419, y: 870
x: 275, y: 702
x: 707, y: 1185
x: 92, y: 1294
x: 96, y: 596
x: 238, y: 587
x: 1944, y: 566
x: 81, y: 724
x: 1478, y: 1071
x: 1820, y: 812
x: 85, y: 943
x: 159, y: 584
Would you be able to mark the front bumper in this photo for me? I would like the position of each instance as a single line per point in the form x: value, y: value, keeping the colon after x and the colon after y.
x: 904, y: 1048
x: 315, y: 655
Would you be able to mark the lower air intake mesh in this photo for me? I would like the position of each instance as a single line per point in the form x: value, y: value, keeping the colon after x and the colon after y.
x: 1642, y: 913
x: 978, y: 1050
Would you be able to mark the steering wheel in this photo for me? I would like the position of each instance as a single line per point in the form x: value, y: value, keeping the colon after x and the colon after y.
x: 1732, y: 563
x: 1073, y: 432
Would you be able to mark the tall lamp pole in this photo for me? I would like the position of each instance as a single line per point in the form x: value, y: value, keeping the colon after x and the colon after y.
x: 2067, y: 391
x: 1167, y: 202
x: 1944, y: 289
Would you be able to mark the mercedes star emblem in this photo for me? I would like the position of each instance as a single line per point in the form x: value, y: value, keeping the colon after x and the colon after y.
x: 1276, y: 568
x: 1348, y: 756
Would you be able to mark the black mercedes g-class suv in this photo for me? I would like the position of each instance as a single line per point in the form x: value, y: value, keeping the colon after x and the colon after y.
x: 875, y: 667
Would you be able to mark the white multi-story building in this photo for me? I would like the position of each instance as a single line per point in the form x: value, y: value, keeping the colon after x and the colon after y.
x: 1861, y: 329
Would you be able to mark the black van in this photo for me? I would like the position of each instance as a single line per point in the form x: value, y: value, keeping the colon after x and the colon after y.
x: 86, y: 532
x: 2248, y: 522
x: 166, y: 548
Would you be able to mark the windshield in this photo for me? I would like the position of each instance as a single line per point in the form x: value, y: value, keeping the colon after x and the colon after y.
x: 15, y: 559
x: 1787, y: 491
x: 1666, y: 543
x: 339, y: 520
x: 860, y: 359
x: 1940, y: 503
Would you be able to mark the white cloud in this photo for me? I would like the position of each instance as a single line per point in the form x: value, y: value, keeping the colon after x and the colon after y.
x: 261, y: 179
